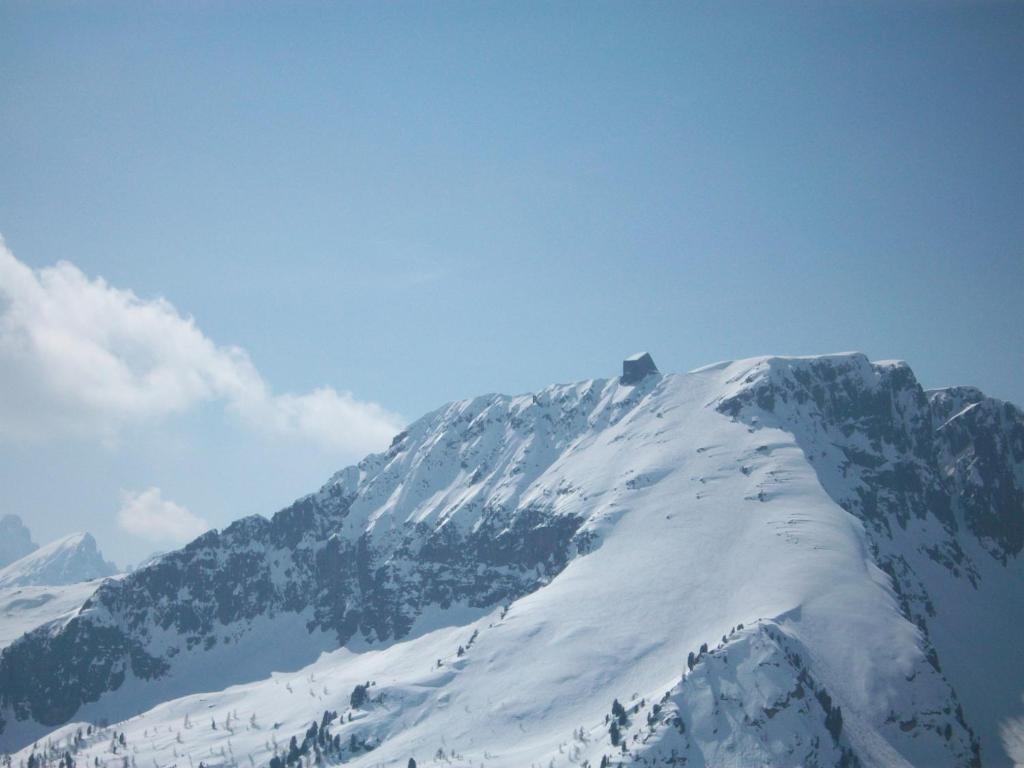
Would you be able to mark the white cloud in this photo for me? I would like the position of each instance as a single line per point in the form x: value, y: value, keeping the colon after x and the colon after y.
x: 78, y: 356
x: 149, y: 516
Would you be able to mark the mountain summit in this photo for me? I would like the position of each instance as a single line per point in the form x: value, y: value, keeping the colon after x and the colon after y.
x: 775, y: 561
x: 15, y: 540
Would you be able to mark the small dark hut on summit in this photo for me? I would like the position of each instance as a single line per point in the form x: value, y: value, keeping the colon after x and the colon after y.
x: 636, y: 367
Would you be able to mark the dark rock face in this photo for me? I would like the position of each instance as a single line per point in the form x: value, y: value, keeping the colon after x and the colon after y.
x: 952, y: 455
x: 294, y: 563
x: 980, y: 445
x: 47, y: 677
x: 637, y: 367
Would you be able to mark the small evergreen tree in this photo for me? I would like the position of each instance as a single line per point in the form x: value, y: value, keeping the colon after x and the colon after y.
x: 359, y: 696
x: 619, y: 712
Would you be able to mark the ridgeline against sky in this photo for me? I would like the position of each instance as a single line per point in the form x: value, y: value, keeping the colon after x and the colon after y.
x: 284, y: 234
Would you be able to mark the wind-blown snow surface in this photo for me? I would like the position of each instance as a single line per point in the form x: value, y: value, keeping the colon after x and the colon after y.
x: 23, y: 609
x: 725, y: 507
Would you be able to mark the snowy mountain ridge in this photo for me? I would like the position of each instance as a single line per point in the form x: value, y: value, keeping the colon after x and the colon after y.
x: 68, y: 560
x: 834, y: 534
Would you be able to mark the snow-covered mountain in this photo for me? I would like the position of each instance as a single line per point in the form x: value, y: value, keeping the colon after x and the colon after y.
x: 69, y: 560
x: 49, y: 583
x: 776, y: 561
x: 15, y: 540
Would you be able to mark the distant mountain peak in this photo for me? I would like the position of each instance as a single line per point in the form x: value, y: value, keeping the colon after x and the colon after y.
x: 15, y: 540
x: 68, y: 560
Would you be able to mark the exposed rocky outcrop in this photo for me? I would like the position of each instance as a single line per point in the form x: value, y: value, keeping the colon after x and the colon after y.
x: 15, y: 540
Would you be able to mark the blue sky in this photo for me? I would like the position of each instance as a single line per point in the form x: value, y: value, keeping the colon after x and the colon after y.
x: 415, y: 202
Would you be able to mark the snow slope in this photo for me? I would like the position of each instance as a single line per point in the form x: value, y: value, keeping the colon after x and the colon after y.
x: 23, y: 609
x: 792, y: 515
